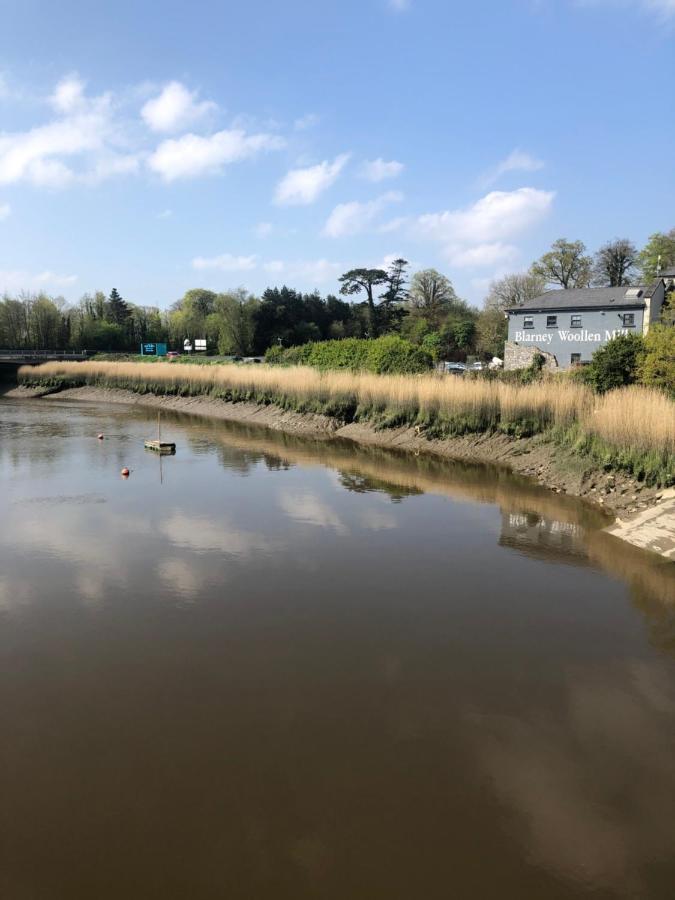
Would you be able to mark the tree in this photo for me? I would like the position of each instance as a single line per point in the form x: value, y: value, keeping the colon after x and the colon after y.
x: 431, y: 295
x: 119, y: 311
x: 491, y: 332
x: 614, y: 262
x: 357, y: 280
x: 236, y: 312
x: 565, y: 264
x: 396, y: 282
x: 514, y: 290
x: 657, y: 363
x: 616, y: 364
x: 657, y: 254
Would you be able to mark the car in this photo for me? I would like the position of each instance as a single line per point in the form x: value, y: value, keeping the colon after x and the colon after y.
x: 172, y: 354
x: 456, y: 368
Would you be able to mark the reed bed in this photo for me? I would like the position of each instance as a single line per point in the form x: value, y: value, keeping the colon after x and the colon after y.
x: 630, y: 420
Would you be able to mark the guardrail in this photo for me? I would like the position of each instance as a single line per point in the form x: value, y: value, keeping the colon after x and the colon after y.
x: 43, y: 354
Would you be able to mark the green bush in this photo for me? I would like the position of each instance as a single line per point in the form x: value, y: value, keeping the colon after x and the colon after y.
x: 385, y: 355
x: 615, y: 364
x: 657, y: 364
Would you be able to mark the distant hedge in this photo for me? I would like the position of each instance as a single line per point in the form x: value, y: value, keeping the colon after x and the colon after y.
x: 388, y: 355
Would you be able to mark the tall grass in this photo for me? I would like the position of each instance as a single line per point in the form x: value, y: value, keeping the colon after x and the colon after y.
x: 622, y: 427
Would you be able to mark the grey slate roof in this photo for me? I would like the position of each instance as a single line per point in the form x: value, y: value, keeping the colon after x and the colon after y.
x: 582, y: 298
x: 668, y: 273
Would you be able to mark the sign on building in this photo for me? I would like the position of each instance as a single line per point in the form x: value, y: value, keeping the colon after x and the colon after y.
x: 153, y: 349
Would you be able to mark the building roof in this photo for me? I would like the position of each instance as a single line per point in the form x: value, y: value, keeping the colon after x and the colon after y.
x: 586, y: 298
x: 668, y: 273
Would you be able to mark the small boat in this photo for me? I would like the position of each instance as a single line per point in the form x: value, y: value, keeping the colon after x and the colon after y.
x: 166, y: 448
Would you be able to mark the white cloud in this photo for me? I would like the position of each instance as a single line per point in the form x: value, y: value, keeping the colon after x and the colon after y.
x: 496, y: 216
x: 379, y: 169
x: 191, y: 155
x: 14, y: 280
x: 5, y: 210
x: 174, y: 108
x: 480, y: 235
x: 68, y: 95
x: 310, y: 271
x: 80, y: 144
x: 226, y: 262
x: 307, y: 121
x: 303, y: 186
x: 264, y: 229
x: 354, y: 217
x: 480, y: 255
x: 394, y: 224
x: 516, y: 161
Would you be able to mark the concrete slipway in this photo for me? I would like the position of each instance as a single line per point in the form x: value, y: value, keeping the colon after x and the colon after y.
x: 652, y: 529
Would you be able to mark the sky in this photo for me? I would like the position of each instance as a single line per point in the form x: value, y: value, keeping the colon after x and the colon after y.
x: 160, y: 147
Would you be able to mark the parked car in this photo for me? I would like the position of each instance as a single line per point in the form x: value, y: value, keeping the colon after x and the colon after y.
x: 172, y: 354
x: 476, y: 366
x: 455, y: 368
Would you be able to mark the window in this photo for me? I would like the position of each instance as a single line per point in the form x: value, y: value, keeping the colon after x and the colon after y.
x: 575, y: 359
x: 528, y: 322
x: 551, y: 321
x: 575, y: 322
x: 628, y: 320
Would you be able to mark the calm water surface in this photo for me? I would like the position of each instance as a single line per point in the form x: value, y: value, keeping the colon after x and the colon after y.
x: 290, y: 669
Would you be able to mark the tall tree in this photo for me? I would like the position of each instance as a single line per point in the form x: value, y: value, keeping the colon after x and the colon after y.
x: 513, y: 290
x: 119, y: 311
x: 431, y: 295
x: 658, y: 254
x: 614, y: 263
x: 396, y: 282
x: 357, y: 280
x: 565, y: 264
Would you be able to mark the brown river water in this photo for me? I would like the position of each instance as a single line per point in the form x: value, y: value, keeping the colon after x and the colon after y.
x: 270, y: 667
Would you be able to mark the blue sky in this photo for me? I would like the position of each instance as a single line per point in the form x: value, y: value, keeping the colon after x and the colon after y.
x: 158, y: 147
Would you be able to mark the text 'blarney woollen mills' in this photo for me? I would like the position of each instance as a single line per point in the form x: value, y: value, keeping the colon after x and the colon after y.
x: 568, y: 326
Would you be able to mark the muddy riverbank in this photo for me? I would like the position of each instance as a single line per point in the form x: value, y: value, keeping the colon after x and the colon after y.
x: 559, y: 469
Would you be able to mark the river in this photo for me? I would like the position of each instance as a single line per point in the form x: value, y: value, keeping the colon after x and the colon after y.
x: 274, y: 667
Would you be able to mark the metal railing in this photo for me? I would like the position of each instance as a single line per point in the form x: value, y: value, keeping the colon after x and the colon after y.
x: 43, y: 354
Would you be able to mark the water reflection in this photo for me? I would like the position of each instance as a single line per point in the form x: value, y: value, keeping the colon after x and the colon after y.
x: 299, y: 668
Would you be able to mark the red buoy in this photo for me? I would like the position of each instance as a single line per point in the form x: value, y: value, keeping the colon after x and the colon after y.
x: 125, y: 472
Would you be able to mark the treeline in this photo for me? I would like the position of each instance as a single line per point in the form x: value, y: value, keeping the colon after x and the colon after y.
x: 423, y: 308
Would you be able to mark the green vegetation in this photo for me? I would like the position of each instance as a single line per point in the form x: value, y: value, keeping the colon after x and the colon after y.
x: 389, y: 355
x: 615, y: 364
x: 657, y: 362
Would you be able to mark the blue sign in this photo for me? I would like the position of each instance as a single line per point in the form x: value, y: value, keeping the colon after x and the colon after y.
x: 153, y: 349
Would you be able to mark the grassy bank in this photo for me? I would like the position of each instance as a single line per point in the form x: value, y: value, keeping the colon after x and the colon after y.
x: 630, y: 428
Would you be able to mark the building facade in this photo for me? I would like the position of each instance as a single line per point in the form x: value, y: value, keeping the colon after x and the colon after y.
x: 568, y: 326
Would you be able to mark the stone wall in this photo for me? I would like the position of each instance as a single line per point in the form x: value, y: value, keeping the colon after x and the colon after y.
x: 520, y: 356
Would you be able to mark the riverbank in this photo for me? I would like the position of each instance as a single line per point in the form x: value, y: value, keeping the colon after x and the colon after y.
x: 558, y: 468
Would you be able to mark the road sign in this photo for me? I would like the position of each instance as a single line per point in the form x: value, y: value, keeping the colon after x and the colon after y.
x: 200, y: 343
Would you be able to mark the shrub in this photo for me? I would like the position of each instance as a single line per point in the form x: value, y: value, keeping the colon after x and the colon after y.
x: 657, y: 364
x: 386, y: 355
x: 616, y: 364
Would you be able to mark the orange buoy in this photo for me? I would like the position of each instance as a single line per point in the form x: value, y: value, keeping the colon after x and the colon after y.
x: 100, y: 436
x: 125, y: 472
